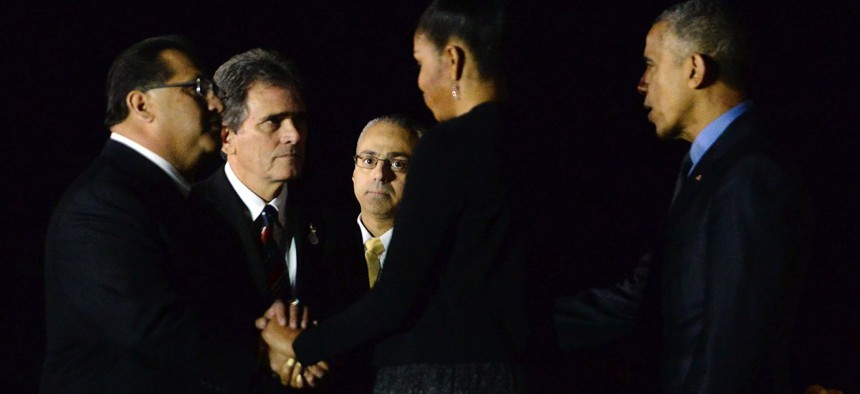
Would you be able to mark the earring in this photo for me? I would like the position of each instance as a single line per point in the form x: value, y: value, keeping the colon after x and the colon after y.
x: 455, y: 91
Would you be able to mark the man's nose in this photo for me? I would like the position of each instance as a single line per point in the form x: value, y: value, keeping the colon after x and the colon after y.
x: 290, y: 134
x: 382, y: 172
x: 214, y: 103
x: 642, y: 86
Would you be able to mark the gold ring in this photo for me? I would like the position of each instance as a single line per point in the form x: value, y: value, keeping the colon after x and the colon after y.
x: 290, y: 362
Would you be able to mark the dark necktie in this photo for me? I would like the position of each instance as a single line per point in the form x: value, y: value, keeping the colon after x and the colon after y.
x: 686, y: 165
x: 273, y: 258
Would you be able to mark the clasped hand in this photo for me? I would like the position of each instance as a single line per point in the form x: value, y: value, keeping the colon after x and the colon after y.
x: 280, y: 326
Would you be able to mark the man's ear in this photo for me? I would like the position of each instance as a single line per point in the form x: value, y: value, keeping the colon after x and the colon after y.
x: 455, y: 58
x: 138, y: 105
x: 702, y: 72
x: 227, y: 138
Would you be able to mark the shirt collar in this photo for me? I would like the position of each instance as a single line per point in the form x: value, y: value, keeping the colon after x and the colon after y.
x: 159, y: 161
x: 365, y: 235
x: 252, y: 201
x: 714, y: 130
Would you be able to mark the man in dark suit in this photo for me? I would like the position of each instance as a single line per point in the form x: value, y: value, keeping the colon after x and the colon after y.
x: 263, y: 135
x: 724, y: 284
x: 382, y: 155
x: 126, y: 302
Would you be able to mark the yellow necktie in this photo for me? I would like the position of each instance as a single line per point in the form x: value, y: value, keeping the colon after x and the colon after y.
x: 373, y: 248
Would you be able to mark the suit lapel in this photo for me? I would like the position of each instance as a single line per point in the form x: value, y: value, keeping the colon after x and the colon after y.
x: 361, y: 263
x: 706, y: 171
x: 234, y: 211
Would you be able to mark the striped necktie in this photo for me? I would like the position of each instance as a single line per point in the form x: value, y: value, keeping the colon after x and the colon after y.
x: 273, y: 258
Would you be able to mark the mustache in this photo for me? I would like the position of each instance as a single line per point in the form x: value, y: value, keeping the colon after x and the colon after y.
x: 380, y: 187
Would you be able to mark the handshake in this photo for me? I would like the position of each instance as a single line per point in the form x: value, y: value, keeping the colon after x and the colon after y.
x: 279, y: 327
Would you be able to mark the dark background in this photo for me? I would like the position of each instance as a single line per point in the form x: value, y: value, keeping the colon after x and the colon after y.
x: 606, y: 180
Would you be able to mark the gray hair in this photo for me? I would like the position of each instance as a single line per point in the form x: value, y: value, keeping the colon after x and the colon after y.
x: 415, y: 129
x: 236, y: 76
x: 711, y: 29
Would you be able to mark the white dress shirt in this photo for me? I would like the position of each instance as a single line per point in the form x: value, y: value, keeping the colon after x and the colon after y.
x: 255, y: 206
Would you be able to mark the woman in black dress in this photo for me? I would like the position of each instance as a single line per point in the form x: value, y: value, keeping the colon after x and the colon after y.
x: 446, y: 314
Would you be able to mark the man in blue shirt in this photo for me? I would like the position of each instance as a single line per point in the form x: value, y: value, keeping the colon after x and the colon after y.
x: 722, y: 287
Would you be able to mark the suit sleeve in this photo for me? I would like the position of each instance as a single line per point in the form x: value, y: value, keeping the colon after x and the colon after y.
x: 752, y: 246
x: 597, y: 316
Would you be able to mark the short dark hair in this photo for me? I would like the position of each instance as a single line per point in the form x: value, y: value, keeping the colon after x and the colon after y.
x: 138, y: 66
x: 715, y: 30
x: 479, y: 23
x: 237, y: 75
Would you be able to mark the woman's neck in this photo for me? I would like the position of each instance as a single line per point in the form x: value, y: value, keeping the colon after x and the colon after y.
x: 476, y: 93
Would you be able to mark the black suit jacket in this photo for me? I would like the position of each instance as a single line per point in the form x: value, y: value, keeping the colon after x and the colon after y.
x: 723, y: 287
x: 127, y: 307
x: 331, y: 272
x: 451, y: 288
x: 308, y: 224
x: 343, y: 273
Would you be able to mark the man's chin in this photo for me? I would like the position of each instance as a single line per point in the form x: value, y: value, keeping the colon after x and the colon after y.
x: 666, y: 134
x: 376, y: 207
x: 287, y: 175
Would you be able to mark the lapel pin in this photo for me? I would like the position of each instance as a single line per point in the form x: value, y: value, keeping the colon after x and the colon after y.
x: 312, y: 236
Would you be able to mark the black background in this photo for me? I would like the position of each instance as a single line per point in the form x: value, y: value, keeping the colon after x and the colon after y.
x: 574, y: 67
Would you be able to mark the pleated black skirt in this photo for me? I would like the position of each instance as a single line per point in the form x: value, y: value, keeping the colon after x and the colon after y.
x: 479, y: 378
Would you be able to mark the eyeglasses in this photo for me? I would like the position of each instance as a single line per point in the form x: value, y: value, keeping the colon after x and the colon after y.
x: 370, y: 162
x: 202, y: 86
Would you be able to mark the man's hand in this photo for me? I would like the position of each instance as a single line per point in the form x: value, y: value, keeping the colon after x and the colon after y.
x: 279, y: 341
x: 290, y: 373
x: 294, y: 375
x: 282, y: 358
x: 296, y: 317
